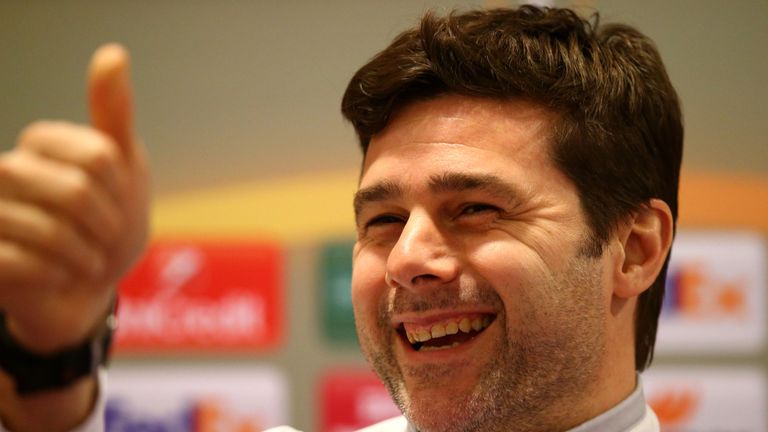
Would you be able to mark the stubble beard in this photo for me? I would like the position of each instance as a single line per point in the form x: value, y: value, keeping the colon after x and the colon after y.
x: 534, y: 375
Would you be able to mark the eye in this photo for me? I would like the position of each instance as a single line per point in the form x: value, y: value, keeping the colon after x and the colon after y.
x: 383, y: 220
x: 478, y: 208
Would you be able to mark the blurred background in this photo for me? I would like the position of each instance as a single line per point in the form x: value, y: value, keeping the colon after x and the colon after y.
x: 239, y: 316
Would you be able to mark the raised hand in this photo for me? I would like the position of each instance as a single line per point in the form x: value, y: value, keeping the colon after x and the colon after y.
x: 73, y: 213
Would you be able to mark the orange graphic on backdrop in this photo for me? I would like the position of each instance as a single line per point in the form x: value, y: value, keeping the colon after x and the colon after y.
x: 211, y: 417
x: 731, y: 298
x: 674, y: 407
x: 691, y: 282
x: 702, y: 295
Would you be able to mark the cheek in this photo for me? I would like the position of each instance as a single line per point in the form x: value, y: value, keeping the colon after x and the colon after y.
x: 368, y: 287
x: 505, y: 263
x: 516, y: 273
x: 368, y: 296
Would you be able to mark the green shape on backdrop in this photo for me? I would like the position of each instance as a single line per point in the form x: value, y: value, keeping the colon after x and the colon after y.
x: 335, y: 285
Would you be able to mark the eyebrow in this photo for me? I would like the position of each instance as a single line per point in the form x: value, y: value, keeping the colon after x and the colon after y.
x: 446, y: 182
x: 456, y: 182
x: 383, y: 191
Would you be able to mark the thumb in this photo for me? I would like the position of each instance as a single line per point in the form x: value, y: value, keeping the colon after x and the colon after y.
x: 110, y: 95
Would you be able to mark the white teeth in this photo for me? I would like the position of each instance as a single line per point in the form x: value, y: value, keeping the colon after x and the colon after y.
x: 450, y: 328
x: 438, y: 331
x: 410, y: 338
x: 465, y: 325
x: 422, y: 336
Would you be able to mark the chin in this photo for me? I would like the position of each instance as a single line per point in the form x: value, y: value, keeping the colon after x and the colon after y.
x: 446, y: 408
x: 450, y: 415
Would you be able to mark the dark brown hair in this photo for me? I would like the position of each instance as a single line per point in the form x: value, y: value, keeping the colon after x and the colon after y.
x: 618, y: 134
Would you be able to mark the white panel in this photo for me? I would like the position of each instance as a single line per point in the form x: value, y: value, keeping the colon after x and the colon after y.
x: 715, y: 300
x: 195, y: 398
x: 715, y: 399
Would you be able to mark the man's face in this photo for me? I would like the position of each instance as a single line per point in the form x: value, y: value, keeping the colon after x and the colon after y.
x: 473, y: 300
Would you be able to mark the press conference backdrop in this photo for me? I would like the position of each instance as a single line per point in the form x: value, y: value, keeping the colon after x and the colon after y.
x: 239, y: 316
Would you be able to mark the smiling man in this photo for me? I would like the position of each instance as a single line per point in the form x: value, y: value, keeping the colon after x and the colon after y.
x: 515, y: 212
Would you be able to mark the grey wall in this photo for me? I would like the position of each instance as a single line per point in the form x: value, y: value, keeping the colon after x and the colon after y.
x: 231, y: 90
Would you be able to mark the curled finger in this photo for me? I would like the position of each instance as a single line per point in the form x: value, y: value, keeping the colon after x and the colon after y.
x: 52, y: 235
x: 61, y: 188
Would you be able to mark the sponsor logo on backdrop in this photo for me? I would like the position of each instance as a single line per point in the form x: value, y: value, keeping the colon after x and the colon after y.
x: 693, y: 292
x: 195, y: 399
x: 352, y: 399
x: 202, y: 295
x: 715, y: 399
x: 674, y: 406
x: 196, y: 416
x: 715, y: 297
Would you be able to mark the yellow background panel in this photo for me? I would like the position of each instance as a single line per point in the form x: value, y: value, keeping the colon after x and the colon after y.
x: 314, y: 207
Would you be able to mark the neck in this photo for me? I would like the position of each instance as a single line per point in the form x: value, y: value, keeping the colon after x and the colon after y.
x: 617, y: 377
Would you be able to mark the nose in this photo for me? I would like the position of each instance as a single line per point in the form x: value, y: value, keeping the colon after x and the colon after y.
x: 422, y: 258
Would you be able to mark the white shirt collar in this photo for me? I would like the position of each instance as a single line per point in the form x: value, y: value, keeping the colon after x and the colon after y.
x: 621, y: 417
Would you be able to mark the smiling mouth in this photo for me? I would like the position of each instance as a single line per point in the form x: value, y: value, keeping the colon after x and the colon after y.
x: 444, y: 335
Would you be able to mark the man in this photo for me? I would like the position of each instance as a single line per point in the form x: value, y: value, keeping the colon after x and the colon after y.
x: 520, y: 174
x: 516, y: 208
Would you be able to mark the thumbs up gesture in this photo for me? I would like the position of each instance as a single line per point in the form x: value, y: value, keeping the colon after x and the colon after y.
x: 73, y: 213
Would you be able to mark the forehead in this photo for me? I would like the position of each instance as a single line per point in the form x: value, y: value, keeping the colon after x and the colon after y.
x: 461, y: 133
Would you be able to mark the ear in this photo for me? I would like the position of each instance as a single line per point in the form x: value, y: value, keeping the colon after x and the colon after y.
x: 645, y: 241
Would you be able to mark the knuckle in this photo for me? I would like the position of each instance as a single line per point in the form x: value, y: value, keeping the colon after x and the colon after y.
x: 32, y: 131
x: 9, y: 163
x: 78, y: 192
x: 5, y: 168
x: 40, y: 131
x: 101, y: 159
x: 22, y: 268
